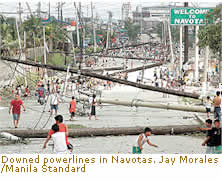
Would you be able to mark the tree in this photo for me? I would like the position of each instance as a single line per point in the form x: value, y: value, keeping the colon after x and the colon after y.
x: 210, y: 35
x: 132, y: 29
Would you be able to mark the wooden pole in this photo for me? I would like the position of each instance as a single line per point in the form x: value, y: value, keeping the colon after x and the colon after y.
x: 89, y: 132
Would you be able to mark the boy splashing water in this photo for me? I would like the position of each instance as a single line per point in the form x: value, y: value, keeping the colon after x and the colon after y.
x: 141, y: 140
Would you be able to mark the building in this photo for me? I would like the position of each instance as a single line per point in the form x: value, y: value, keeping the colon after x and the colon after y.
x: 149, y: 17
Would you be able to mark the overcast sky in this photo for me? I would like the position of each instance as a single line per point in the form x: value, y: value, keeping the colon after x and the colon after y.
x: 101, y: 6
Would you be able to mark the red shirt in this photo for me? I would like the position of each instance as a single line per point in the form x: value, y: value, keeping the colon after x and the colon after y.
x: 72, y: 106
x: 62, y: 128
x: 16, y: 106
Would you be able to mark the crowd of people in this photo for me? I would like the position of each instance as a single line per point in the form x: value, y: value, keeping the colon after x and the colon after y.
x: 53, y: 89
x: 213, y: 129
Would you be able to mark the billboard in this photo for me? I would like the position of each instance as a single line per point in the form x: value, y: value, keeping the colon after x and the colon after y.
x: 188, y: 16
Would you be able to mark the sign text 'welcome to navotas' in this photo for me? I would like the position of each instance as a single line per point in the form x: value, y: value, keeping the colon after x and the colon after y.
x: 188, y: 16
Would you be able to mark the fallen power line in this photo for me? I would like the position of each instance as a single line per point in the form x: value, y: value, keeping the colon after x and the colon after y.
x: 108, y: 78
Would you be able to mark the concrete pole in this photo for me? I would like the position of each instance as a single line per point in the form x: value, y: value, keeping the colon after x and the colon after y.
x: 77, y: 28
x: 20, y: 51
x: 35, y: 55
x: 171, y: 44
x: 93, y: 27
x: 196, y: 73
x: 169, y: 106
x: 66, y: 81
x: 73, y: 49
x: 204, y: 88
x: 83, y: 44
x: 45, y: 70
x: 181, y: 50
x: 107, y: 36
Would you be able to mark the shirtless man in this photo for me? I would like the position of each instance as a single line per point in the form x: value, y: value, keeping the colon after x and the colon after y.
x: 217, y: 109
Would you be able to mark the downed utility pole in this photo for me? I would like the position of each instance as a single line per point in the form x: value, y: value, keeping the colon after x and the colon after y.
x: 108, y: 78
x: 139, y: 103
x: 124, y: 57
x: 108, y: 56
x: 89, y: 132
x: 139, y: 68
x: 104, y: 69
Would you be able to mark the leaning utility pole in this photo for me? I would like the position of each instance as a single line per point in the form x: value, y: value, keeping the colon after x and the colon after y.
x: 39, y: 9
x: 181, y: 51
x: 58, y: 9
x: 196, y: 73
x: 45, y: 70
x: 77, y: 25
x: 20, y: 51
x: 25, y: 51
x: 108, y: 29
x: 61, y: 12
x: 108, y: 78
x: 171, y: 44
x: 83, y: 40
x: 49, y: 10
x: 204, y: 85
x: 93, y: 27
x: 186, y: 46
x: 20, y: 13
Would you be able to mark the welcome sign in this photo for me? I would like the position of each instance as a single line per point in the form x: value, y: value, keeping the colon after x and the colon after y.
x: 188, y: 16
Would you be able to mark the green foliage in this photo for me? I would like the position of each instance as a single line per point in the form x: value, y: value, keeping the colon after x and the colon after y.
x: 132, y: 30
x: 210, y: 35
x: 56, y: 59
x: 32, y: 79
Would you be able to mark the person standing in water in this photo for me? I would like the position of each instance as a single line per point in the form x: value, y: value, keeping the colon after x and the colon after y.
x: 15, y: 106
x: 93, y: 107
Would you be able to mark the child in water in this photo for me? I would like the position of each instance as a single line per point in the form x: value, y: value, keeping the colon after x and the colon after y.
x: 141, y: 140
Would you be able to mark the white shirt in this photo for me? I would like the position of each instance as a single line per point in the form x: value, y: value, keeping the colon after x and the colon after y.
x: 74, y: 86
x: 208, y: 104
x: 91, y: 100
x: 54, y: 99
x: 59, y: 140
x: 143, y: 141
